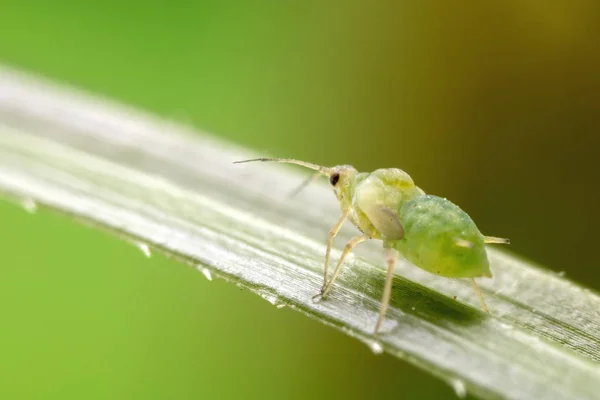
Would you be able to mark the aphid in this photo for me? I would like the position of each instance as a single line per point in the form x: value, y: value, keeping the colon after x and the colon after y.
x: 429, y: 231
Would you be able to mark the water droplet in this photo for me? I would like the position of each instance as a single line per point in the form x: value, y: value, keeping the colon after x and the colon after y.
x: 271, y: 298
x: 506, y: 326
x: 206, y: 273
x: 459, y: 388
x: 413, y: 308
x: 145, y: 249
x: 29, y: 205
x: 375, y: 347
x: 561, y: 273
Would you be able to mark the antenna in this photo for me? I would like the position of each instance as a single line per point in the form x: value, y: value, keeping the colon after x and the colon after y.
x: 304, y: 184
x: 323, y: 170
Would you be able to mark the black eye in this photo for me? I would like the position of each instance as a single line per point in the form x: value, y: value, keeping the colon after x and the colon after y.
x: 333, y: 179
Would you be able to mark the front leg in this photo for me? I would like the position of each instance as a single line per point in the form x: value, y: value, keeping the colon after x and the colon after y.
x: 332, y: 234
x: 349, y: 246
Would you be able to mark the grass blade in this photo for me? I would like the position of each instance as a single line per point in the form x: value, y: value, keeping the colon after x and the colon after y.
x: 175, y: 190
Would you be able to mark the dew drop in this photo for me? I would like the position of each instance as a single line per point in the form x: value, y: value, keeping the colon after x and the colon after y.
x: 206, y: 273
x: 459, y: 388
x: 271, y: 298
x: 375, y: 347
x: 561, y: 273
x: 145, y: 249
x: 29, y: 205
x: 506, y: 326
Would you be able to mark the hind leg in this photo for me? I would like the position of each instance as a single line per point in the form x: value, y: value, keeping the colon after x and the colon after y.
x: 478, y: 292
x: 391, y: 258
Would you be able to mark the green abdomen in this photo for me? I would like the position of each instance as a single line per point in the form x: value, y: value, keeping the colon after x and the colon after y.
x: 441, y: 238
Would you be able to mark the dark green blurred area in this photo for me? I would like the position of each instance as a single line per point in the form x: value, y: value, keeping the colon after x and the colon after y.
x: 494, y: 105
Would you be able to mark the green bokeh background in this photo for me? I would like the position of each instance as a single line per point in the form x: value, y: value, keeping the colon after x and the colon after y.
x: 494, y: 105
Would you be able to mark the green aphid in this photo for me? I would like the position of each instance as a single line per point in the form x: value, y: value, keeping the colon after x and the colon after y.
x: 429, y: 231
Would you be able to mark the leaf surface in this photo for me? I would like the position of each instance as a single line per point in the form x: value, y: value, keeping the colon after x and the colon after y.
x: 174, y: 189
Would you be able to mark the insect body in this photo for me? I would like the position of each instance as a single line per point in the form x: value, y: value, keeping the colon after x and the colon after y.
x: 441, y: 238
x: 431, y: 232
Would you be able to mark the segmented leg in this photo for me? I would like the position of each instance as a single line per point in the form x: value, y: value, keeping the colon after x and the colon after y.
x: 391, y: 257
x: 349, y: 246
x: 332, y: 234
x: 478, y: 292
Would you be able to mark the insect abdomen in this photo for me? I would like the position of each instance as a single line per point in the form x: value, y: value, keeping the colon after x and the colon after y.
x: 442, y: 239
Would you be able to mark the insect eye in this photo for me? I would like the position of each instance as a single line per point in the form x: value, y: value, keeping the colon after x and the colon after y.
x: 333, y: 179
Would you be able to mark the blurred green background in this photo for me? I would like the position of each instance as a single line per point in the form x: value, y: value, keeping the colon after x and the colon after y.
x: 495, y: 105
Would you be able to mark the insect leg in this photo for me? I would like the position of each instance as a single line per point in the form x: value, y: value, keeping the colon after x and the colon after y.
x: 332, y: 234
x: 391, y: 256
x: 478, y: 292
x: 304, y: 184
x: 349, y: 246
